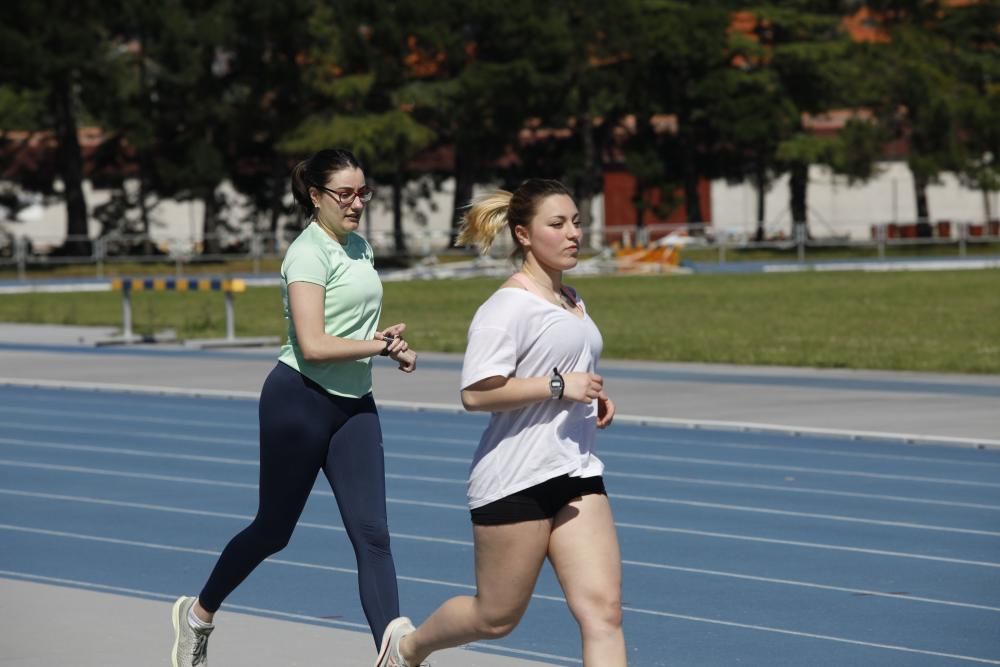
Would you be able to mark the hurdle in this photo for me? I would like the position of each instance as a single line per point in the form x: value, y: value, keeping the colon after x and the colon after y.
x: 228, y: 287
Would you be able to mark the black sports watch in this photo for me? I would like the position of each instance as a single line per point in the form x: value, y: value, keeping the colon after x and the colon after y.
x: 388, y: 338
x: 556, y: 384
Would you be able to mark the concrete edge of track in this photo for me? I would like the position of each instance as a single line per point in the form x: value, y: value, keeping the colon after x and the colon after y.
x: 910, y: 438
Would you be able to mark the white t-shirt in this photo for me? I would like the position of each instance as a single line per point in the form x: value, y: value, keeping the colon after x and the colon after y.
x: 516, y: 333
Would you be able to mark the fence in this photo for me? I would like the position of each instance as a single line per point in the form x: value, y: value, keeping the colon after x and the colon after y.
x: 707, y: 242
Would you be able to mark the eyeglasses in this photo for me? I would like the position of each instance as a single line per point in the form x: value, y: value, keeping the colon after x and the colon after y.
x: 346, y: 197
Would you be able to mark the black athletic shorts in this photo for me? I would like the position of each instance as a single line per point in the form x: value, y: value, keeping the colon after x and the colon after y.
x: 541, y: 501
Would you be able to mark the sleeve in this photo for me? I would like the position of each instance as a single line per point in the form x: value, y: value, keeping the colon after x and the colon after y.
x: 307, y: 264
x: 490, y: 351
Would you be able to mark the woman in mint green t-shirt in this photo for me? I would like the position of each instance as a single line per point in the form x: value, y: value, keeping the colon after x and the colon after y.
x: 316, y: 406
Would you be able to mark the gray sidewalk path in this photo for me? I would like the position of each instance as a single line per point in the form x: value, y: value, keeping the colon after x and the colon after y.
x: 53, y: 626
x: 921, y: 404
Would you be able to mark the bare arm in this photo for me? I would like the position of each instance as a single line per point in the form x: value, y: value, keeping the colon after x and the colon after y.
x: 500, y: 394
x: 306, y: 305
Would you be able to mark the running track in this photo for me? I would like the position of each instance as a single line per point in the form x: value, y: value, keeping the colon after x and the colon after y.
x: 739, y: 548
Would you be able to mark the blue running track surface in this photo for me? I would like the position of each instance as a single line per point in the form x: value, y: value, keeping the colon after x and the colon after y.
x: 739, y: 549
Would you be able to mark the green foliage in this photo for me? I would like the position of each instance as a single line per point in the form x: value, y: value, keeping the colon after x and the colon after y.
x: 200, y: 93
x: 21, y: 109
x: 376, y: 139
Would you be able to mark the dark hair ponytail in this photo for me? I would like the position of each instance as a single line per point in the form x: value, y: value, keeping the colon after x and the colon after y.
x: 316, y: 171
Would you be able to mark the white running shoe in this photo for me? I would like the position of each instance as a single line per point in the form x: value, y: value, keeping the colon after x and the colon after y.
x: 190, y: 644
x: 388, y: 654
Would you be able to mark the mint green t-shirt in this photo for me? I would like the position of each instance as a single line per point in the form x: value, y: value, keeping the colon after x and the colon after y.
x: 352, y: 307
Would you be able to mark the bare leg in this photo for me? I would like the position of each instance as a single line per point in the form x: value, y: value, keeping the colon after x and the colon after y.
x: 584, y: 552
x: 508, y: 560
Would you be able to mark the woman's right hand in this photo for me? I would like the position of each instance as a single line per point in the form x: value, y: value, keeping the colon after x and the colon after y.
x: 582, y: 387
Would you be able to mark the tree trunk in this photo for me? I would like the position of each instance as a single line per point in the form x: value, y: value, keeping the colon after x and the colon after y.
x: 464, y: 183
x: 145, y: 163
x: 588, y: 182
x: 210, y: 224
x: 689, y: 167
x: 277, y: 207
x: 798, y: 184
x: 147, y: 242
x: 760, y: 184
x: 920, y: 190
x: 398, y: 182
x: 70, y: 168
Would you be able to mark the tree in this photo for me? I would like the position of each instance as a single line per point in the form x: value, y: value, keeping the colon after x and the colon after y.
x: 972, y: 34
x: 677, y: 48
x: 56, y: 52
x: 917, y: 93
x: 500, y: 65
x: 595, y: 94
x: 194, y: 91
x: 801, y: 62
x: 355, y: 67
x: 269, y: 65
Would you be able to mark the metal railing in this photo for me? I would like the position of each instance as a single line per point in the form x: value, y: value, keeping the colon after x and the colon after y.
x: 706, y: 242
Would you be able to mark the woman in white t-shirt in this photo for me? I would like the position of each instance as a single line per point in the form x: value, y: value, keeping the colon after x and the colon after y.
x: 535, y: 486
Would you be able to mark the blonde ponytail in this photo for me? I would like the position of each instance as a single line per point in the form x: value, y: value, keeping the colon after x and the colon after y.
x: 491, y: 213
x: 484, y: 219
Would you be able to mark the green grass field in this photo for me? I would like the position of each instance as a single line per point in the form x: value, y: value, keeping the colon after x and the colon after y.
x: 926, y: 321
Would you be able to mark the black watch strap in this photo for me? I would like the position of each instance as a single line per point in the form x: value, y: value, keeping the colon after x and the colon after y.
x: 388, y: 341
x: 557, y: 386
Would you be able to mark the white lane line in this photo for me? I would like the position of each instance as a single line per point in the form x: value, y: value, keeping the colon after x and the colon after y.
x: 129, y: 388
x: 913, y: 438
x: 389, y: 422
x: 691, y: 480
x: 610, y: 437
x: 38, y: 444
x: 810, y: 635
x: 809, y: 584
x: 661, y: 529
x: 852, y: 434
x: 249, y: 441
x: 465, y: 461
x: 807, y: 545
x: 209, y: 513
x: 690, y: 503
x: 550, y: 598
x: 229, y: 406
x: 792, y: 489
x: 809, y: 515
x: 128, y: 475
x: 732, y: 464
x: 114, y: 417
x: 603, y: 453
x: 785, y: 468
x: 492, y: 647
x: 468, y: 543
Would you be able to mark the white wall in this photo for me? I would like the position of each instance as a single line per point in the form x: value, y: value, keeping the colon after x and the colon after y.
x: 179, y: 224
x: 837, y: 209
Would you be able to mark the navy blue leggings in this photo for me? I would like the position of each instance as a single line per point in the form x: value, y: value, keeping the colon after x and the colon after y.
x: 304, y: 429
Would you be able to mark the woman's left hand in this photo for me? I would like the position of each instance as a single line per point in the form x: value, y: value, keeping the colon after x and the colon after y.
x: 407, y: 360
x: 605, y: 410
